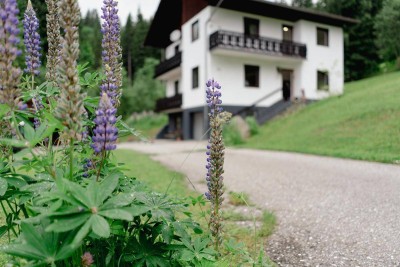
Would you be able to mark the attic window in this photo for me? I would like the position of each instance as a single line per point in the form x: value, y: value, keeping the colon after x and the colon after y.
x: 322, y: 36
x: 195, y: 30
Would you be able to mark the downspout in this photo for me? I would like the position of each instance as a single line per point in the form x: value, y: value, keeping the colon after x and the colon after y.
x: 205, y: 109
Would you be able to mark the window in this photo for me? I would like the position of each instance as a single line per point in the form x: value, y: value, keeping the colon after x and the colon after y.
x: 322, y: 36
x: 176, y: 87
x: 195, y: 77
x: 287, y: 33
x: 251, y: 76
x: 323, y: 80
x: 251, y: 27
x: 176, y: 49
x: 195, y: 30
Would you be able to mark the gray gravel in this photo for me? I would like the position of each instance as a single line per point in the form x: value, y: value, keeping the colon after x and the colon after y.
x: 331, y: 212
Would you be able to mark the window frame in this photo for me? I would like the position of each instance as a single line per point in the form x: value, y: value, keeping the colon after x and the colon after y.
x: 326, y: 39
x: 325, y: 85
x: 195, y: 82
x: 195, y: 30
x: 246, y: 26
x: 251, y: 70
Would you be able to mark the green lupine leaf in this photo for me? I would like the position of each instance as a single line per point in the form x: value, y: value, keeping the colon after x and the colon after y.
x: 107, y: 187
x: 100, y: 226
x: 117, y: 214
x: 29, y: 133
x: 23, y: 251
x: 137, y: 210
x: 3, y: 187
x: 33, y: 238
x: 67, y: 224
x: 83, y: 232
x: 3, y: 230
x: 80, y: 194
x: 120, y: 200
x: 14, y: 142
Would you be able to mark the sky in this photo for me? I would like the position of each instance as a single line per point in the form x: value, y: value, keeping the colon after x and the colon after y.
x: 147, y: 7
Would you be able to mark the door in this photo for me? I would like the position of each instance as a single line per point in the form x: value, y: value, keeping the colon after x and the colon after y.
x: 286, y: 84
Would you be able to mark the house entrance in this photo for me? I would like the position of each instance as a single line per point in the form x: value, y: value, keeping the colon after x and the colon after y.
x: 286, y: 84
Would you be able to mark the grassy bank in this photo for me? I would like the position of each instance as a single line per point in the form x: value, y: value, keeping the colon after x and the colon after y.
x: 362, y: 124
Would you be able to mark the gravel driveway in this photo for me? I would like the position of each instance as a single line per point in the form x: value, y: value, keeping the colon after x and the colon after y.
x: 331, y: 212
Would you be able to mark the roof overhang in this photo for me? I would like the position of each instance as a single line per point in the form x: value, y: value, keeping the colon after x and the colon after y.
x: 168, y: 16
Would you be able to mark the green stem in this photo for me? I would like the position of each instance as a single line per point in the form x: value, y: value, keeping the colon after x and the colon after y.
x: 71, y: 159
x: 10, y: 226
x: 103, y: 159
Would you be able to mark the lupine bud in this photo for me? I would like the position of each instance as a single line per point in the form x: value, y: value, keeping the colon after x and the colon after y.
x: 32, y: 41
x: 9, y: 75
x: 53, y: 39
x: 70, y: 108
x: 105, y: 133
x: 111, y: 54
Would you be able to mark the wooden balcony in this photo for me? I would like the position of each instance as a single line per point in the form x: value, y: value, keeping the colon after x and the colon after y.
x: 169, y: 103
x: 168, y: 65
x: 256, y: 44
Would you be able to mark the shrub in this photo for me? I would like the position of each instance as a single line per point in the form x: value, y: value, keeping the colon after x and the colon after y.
x: 253, y: 125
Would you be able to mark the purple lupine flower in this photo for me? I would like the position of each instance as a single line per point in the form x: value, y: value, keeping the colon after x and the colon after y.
x: 86, y: 167
x: 105, y: 133
x: 213, y: 95
x: 31, y: 40
x: 9, y: 75
x: 111, y: 54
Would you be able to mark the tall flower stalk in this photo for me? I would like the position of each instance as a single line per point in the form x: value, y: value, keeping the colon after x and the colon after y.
x: 112, y: 52
x: 31, y: 41
x: 54, y: 40
x: 215, y: 161
x: 9, y: 74
x: 32, y: 57
x: 70, y: 108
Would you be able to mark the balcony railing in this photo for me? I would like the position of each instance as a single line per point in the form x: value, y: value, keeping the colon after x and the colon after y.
x: 168, y: 64
x: 241, y: 42
x: 169, y: 103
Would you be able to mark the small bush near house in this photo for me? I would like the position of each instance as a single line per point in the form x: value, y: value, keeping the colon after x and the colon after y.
x: 232, y: 135
x: 253, y: 125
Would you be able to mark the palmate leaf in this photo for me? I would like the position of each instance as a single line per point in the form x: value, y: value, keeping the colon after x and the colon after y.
x: 159, y: 205
x: 40, y: 246
x: 3, y: 187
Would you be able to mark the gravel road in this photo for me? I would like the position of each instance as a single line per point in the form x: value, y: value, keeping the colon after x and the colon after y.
x: 331, y: 212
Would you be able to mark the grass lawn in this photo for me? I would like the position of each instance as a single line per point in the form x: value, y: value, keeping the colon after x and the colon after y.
x: 148, y: 127
x: 364, y: 124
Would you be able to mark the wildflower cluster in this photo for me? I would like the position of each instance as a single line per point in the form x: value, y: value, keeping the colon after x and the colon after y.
x: 111, y: 54
x: 9, y: 75
x: 32, y: 41
x: 215, y: 160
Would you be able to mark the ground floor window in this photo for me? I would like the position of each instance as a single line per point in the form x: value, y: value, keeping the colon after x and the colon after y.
x: 323, y: 80
x: 195, y: 77
x: 251, y: 76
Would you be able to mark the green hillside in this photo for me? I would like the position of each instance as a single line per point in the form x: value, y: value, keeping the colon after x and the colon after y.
x: 364, y: 123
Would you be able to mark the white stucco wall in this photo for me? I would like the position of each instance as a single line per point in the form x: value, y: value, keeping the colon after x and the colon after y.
x: 170, y: 50
x: 194, y: 56
x: 170, y: 86
x: 323, y: 58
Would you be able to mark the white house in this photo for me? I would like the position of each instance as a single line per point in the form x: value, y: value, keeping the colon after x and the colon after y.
x: 263, y: 54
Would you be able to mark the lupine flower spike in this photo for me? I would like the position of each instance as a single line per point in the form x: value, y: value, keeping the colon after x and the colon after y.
x: 70, y: 108
x: 32, y: 41
x: 54, y: 40
x: 105, y: 133
x: 9, y: 75
x: 111, y: 54
x: 215, y: 161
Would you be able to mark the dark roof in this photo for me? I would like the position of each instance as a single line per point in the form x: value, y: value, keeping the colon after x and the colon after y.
x: 168, y: 16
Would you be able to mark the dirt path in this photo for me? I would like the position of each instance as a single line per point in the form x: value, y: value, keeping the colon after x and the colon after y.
x: 331, y: 212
